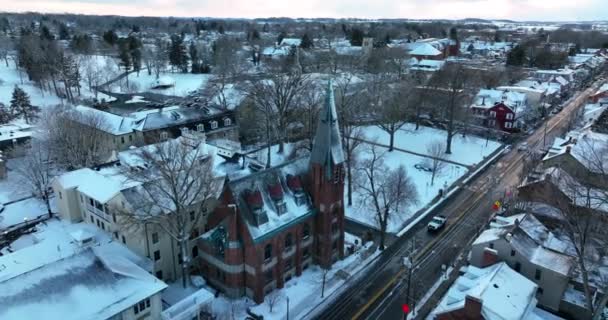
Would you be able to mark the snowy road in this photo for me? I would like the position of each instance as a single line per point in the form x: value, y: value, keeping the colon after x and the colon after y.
x: 381, y: 294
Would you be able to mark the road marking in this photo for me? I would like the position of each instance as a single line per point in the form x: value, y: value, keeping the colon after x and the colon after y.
x: 378, y: 294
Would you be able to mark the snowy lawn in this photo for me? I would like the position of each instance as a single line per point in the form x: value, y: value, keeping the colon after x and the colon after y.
x: 183, y: 83
x: 467, y: 151
x: 360, y: 210
x: 9, y: 77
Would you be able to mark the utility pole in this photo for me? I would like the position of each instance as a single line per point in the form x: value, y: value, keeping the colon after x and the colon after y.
x: 545, y: 134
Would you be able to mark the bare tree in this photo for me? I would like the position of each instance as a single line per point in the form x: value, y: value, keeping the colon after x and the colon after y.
x: 391, y: 103
x: 385, y: 191
x: 452, y: 80
x: 176, y: 183
x: 159, y: 57
x: 76, y: 139
x: 436, y: 151
x: 272, y: 298
x: 36, y: 169
x: 348, y: 103
x: 276, y: 98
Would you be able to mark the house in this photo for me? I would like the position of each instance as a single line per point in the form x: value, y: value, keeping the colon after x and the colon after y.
x: 536, y: 97
x: 582, y: 155
x: 601, y: 95
x: 530, y: 249
x: 500, y: 109
x: 552, y: 90
x: 547, y: 75
x: 14, y: 134
x: 271, y: 225
x: 425, y: 51
x: 426, y: 65
x: 494, y: 292
x: 546, y: 258
x: 73, y: 272
x: 99, y: 196
x: 554, y: 186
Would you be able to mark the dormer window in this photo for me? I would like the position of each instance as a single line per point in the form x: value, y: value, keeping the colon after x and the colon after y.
x: 164, y: 135
x: 200, y: 127
x: 281, y: 207
x: 300, y: 199
x: 227, y: 122
x: 213, y: 124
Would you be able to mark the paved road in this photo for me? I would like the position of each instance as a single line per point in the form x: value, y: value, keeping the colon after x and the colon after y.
x: 380, y: 294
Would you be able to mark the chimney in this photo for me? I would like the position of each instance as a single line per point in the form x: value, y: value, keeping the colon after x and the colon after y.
x: 490, y: 257
x: 472, y: 308
x: 483, y: 101
x: 568, y: 149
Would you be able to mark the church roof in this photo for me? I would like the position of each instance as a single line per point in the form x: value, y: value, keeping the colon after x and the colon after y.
x: 327, y: 149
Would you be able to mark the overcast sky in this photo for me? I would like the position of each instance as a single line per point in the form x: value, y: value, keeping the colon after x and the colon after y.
x: 415, y: 9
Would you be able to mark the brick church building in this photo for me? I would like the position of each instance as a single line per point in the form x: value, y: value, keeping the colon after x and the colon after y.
x: 273, y: 224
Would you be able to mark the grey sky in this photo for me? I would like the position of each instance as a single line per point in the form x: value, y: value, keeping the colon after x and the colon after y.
x: 415, y: 9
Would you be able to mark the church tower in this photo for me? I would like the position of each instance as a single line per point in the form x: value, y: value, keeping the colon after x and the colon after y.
x: 327, y: 185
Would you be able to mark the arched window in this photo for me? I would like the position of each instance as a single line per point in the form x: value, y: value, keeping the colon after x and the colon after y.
x: 288, y: 241
x: 268, y: 252
x: 194, y: 252
x: 305, y: 231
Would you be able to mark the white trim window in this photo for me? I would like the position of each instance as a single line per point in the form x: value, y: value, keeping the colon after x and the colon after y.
x: 492, y: 123
x: 213, y: 124
x: 227, y: 122
x: 509, y: 116
x: 508, y: 124
x: 164, y: 135
x: 200, y: 127
x: 492, y: 114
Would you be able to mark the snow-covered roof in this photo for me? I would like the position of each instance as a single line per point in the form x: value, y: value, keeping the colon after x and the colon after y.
x: 291, y: 42
x: 260, y: 195
x: 87, y: 285
x: 488, y: 98
x: 502, y: 292
x: 586, y: 146
x: 101, y: 185
x: 111, y: 123
x: 425, y: 49
x: 580, y: 195
x: 188, y: 307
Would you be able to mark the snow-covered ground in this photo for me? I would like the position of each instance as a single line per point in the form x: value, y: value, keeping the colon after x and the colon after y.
x: 182, y: 83
x: 467, y: 151
x: 9, y: 78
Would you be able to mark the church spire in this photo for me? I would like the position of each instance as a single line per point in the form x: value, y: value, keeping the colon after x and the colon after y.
x: 327, y: 148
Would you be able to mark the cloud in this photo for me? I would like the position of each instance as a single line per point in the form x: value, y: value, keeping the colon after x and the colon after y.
x: 415, y: 9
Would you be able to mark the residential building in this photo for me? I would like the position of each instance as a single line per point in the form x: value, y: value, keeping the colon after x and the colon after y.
x: 134, y: 124
x: 425, y: 51
x: 74, y: 272
x: 494, y: 292
x: 104, y: 196
x: 499, y: 109
x: 273, y: 224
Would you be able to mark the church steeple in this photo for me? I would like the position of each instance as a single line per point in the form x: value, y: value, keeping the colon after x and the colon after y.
x: 327, y: 147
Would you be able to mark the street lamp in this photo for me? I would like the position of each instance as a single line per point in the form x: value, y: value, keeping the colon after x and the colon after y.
x: 407, y: 262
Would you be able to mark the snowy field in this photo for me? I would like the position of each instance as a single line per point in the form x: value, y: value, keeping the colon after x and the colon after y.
x: 9, y: 77
x: 182, y: 83
x: 467, y: 151
x: 360, y: 210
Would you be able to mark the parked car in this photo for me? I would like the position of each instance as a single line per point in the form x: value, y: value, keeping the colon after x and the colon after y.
x: 436, y: 223
x: 422, y: 167
x: 523, y: 147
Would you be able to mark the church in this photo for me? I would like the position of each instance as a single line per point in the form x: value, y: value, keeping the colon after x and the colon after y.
x: 271, y: 225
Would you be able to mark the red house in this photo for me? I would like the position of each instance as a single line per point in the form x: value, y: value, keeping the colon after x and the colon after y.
x: 272, y: 225
x: 498, y: 109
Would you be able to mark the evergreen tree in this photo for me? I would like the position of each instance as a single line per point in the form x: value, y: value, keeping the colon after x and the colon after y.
x: 516, y: 57
x: 306, y: 42
x: 281, y: 36
x: 178, y: 57
x: 110, y: 37
x: 220, y: 29
x: 64, y: 33
x: 5, y: 114
x: 136, y: 59
x: 21, y: 106
x: 82, y: 44
x: 453, y: 34
x: 356, y: 37
x: 46, y: 34
x: 196, y: 65
x: 125, y: 59
x: 255, y: 35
